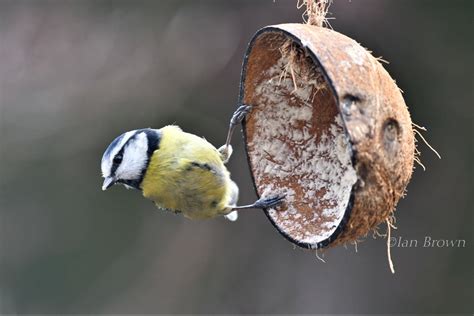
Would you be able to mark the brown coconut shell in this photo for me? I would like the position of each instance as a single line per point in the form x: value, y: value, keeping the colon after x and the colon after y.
x: 329, y: 128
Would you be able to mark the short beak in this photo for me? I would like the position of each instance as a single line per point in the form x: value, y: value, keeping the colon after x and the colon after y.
x: 108, y: 182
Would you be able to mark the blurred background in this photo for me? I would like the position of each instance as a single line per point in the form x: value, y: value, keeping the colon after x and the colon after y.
x: 75, y: 74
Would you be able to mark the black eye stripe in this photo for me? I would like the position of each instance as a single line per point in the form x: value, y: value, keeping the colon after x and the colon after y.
x: 117, y: 161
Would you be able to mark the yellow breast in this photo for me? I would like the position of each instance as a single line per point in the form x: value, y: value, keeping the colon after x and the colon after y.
x: 186, y: 174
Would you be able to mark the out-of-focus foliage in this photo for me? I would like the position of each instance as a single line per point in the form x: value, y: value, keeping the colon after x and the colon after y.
x: 74, y: 74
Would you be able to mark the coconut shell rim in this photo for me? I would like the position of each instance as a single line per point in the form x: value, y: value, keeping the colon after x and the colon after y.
x: 347, y: 213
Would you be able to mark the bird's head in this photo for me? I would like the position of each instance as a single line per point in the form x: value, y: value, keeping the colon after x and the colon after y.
x: 126, y: 159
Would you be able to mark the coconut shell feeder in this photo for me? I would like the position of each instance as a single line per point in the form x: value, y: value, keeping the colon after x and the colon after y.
x: 329, y: 129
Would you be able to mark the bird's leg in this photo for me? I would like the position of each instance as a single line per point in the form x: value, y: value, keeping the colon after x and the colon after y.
x: 237, y: 117
x: 262, y: 203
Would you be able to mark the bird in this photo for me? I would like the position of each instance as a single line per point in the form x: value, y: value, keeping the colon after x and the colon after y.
x: 180, y: 172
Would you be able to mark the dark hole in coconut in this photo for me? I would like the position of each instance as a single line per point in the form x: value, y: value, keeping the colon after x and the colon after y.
x: 391, y: 135
x: 391, y: 130
x: 296, y: 141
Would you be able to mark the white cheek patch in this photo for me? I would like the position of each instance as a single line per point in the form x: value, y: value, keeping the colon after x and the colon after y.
x: 134, y: 158
x: 105, y: 167
x: 107, y: 159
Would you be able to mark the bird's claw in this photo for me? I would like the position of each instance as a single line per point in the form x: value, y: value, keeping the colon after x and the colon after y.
x: 240, y: 114
x: 269, y: 201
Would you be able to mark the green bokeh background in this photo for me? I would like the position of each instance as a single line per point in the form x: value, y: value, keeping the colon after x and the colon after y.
x: 74, y: 74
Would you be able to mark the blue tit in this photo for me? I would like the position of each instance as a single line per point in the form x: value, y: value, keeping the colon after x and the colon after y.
x: 178, y: 171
